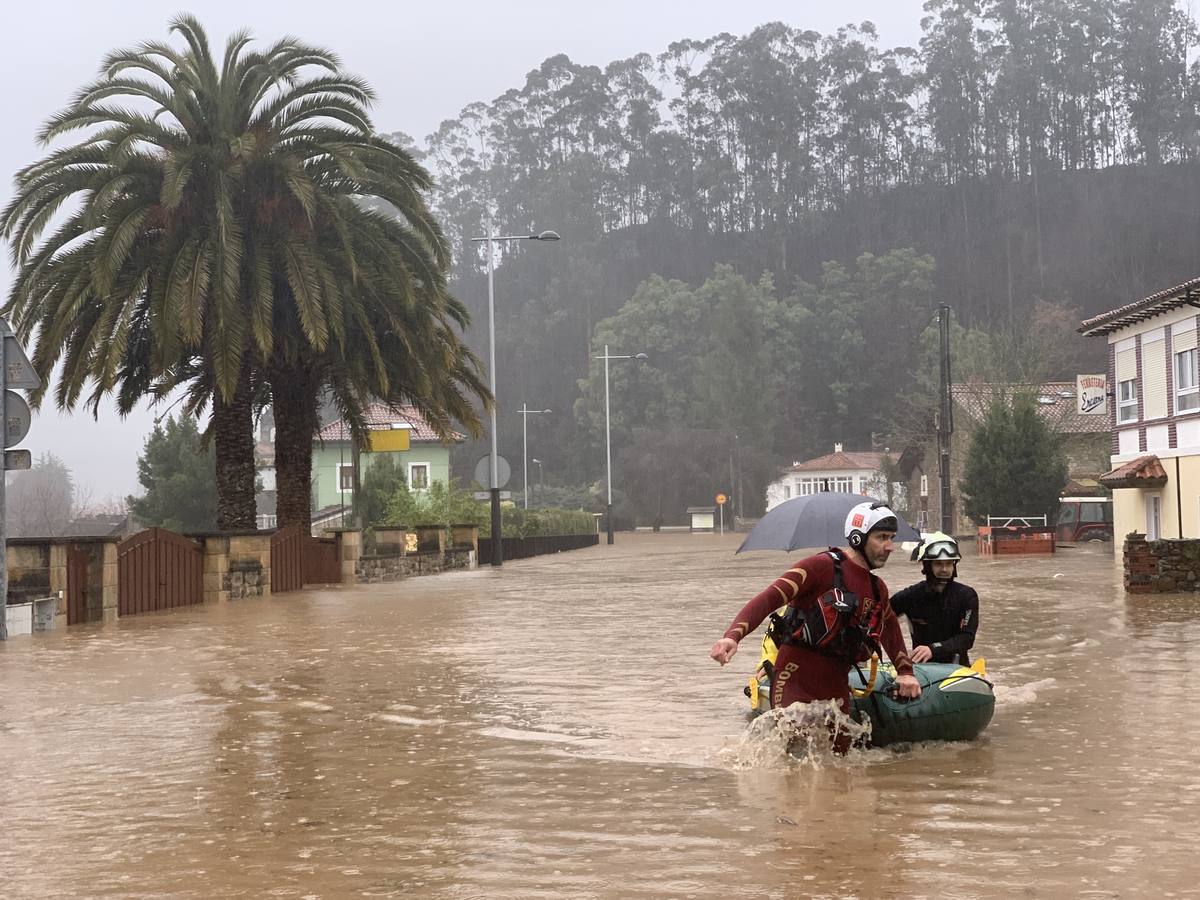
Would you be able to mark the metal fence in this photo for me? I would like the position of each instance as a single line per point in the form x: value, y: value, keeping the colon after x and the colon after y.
x: 523, y: 548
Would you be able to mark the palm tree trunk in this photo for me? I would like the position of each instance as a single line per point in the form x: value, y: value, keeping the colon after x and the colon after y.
x: 233, y: 435
x: 294, y: 397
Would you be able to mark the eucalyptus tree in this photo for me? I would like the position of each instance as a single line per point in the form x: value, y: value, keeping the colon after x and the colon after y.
x: 211, y: 235
x: 1155, y: 37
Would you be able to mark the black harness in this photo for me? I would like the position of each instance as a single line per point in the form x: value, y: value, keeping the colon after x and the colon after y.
x: 839, y: 624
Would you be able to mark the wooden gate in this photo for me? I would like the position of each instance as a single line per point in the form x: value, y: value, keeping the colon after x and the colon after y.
x: 77, y: 584
x: 158, y: 569
x: 287, y: 551
x: 321, y: 564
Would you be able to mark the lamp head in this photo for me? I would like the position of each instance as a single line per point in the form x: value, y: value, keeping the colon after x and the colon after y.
x: 641, y: 356
x: 545, y: 236
x: 547, y: 410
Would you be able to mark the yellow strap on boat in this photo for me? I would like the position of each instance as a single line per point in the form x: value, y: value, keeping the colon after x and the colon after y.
x: 755, y: 694
x: 979, y: 667
x: 870, y: 686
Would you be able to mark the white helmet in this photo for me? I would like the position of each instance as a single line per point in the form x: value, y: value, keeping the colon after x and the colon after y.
x: 867, y: 517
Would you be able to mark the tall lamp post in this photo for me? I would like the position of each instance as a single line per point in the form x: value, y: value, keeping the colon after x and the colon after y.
x: 494, y: 475
x: 608, y: 433
x: 526, y: 412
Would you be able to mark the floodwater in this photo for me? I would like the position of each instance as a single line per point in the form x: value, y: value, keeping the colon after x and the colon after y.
x: 556, y: 729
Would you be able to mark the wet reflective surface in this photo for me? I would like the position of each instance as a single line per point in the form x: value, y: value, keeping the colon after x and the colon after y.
x: 556, y: 729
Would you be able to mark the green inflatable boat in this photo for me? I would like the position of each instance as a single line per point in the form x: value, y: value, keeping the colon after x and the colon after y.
x: 956, y: 702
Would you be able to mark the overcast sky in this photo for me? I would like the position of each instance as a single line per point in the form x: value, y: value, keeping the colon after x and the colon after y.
x: 426, y: 61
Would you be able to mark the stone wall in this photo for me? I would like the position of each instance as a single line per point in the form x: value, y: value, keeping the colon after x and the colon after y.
x: 1155, y: 567
x: 371, y: 569
x: 28, y: 571
x: 244, y: 579
x: 37, y: 568
x: 236, y: 565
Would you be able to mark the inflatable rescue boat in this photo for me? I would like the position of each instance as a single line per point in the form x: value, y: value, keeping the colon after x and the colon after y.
x: 956, y: 702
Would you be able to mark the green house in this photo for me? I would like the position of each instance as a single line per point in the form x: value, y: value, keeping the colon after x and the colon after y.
x: 400, y: 432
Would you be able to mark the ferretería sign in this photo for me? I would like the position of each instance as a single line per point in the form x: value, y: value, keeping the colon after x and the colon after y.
x: 1091, y: 394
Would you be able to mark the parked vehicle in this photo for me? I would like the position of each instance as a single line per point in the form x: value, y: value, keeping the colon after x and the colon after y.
x: 1084, y: 519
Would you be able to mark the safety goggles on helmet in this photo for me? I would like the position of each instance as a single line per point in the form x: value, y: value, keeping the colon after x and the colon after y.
x: 942, y: 550
x: 937, y: 546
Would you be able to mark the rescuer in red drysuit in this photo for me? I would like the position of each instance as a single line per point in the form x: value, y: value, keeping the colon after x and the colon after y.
x: 806, y: 674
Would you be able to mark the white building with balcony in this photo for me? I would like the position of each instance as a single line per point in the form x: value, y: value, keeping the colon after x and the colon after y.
x: 850, y: 471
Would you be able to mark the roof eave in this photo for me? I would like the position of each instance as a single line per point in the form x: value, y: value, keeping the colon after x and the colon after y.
x: 1186, y: 294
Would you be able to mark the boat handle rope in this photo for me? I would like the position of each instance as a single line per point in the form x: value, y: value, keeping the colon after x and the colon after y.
x: 868, y: 683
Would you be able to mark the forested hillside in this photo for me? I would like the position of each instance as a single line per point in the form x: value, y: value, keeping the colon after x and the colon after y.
x: 1028, y: 162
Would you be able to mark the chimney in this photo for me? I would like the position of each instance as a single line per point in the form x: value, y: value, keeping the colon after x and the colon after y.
x: 837, y: 448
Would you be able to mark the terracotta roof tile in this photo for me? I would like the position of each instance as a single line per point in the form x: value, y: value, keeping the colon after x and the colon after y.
x: 1145, y: 471
x: 1187, y: 293
x: 842, y: 460
x: 381, y: 416
x: 1056, y: 404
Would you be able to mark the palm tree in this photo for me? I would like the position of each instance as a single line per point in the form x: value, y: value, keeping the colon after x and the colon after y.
x: 401, y: 344
x: 214, y: 236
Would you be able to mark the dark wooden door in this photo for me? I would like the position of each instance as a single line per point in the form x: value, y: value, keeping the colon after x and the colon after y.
x: 158, y: 569
x: 321, y: 564
x: 287, y: 569
x: 77, y: 584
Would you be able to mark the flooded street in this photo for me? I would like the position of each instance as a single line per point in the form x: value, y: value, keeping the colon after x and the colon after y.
x: 556, y: 729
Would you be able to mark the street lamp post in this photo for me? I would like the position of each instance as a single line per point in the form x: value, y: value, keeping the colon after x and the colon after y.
x: 608, y: 434
x: 526, y: 412
x: 494, y: 475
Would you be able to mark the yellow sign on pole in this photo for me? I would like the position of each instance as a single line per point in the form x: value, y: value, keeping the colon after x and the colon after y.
x: 390, y: 440
x: 721, y: 498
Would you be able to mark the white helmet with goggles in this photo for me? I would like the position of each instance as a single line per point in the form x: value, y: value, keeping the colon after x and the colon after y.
x: 937, y: 546
x: 867, y: 517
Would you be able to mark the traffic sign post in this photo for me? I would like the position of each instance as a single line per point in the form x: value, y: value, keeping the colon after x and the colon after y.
x: 721, y: 498
x: 16, y: 371
x: 17, y: 459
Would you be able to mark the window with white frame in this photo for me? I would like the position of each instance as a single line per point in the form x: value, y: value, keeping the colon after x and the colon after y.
x: 345, y: 478
x: 418, y: 476
x: 806, y: 487
x: 787, y: 492
x: 843, y: 484
x: 1127, y: 401
x: 1187, y: 390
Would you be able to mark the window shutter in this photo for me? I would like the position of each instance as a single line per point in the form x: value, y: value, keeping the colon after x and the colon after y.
x: 1154, y: 378
x: 1126, y: 364
x: 1183, y: 335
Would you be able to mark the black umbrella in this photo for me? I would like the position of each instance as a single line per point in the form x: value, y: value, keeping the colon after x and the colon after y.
x: 817, y: 520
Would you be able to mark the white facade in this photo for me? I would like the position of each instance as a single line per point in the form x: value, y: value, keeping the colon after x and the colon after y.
x: 1154, y: 365
x: 800, y: 484
x: 851, y: 472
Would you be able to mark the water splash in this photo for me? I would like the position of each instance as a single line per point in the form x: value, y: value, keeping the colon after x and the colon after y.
x: 803, y: 733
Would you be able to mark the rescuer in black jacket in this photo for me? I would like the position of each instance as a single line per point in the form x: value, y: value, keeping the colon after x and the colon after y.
x: 943, y: 613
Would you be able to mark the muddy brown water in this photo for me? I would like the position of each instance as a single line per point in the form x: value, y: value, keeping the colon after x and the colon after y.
x: 556, y: 729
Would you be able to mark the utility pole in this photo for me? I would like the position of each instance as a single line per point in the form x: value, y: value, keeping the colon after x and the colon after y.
x: 945, y: 423
x: 738, y: 509
x: 733, y: 487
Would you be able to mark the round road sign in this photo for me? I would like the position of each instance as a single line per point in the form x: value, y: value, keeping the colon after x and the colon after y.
x: 483, y: 471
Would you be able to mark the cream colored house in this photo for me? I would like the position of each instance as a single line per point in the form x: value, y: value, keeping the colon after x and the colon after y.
x: 1154, y: 412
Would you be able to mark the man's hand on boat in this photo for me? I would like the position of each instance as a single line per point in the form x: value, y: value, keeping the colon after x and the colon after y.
x: 907, y: 687
x: 722, y: 651
x: 921, y: 654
